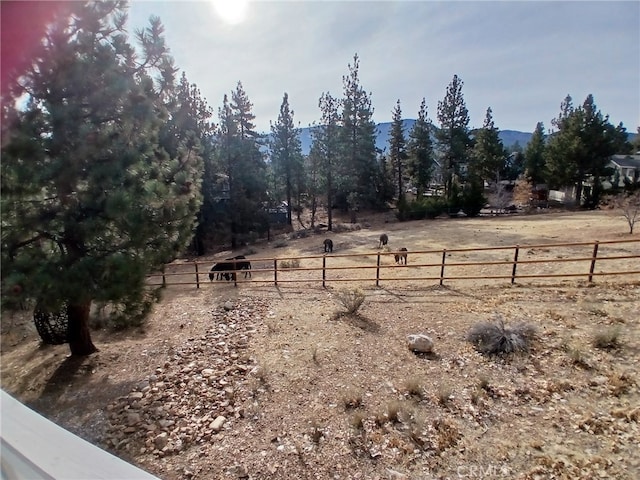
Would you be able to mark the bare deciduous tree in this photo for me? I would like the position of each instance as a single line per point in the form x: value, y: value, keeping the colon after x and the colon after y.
x: 629, y: 205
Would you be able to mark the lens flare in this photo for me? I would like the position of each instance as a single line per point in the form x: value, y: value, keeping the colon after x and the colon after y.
x: 232, y: 12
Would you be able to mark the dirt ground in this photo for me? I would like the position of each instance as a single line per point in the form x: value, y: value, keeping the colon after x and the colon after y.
x: 258, y: 381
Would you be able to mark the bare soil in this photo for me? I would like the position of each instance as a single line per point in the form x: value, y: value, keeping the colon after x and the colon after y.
x: 308, y: 392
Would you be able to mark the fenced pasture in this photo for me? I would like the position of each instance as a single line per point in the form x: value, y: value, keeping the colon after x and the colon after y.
x: 515, y: 263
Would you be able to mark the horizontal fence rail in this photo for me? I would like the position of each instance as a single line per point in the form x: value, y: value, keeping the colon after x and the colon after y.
x: 612, y: 257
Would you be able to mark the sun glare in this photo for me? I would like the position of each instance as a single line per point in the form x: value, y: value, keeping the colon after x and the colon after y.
x: 232, y: 12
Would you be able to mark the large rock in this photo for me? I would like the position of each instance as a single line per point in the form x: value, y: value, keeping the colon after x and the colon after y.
x: 217, y: 424
x: 420, y: 343
x: 161, y: 440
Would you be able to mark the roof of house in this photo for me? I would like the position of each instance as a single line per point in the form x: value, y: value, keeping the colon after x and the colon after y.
x: 626, y: 161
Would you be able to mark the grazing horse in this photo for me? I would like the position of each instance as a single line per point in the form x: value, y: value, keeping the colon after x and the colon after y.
x: 383, y: 240
x: 243, y: 265
x: 401, y: 256
x: 328, y: 245
x: 228, y: 268
x: 222, y: 269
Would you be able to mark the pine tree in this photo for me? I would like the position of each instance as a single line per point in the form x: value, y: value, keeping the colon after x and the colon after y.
x: 358, y: 142
x: 286, y: 153
x: 566, y: 110
x: 314, y: 185
x: 453, y: 136
x: 535, y: 157
x: 243, y: 112
x: 601, y: 140
x: 421, y: 155
x: 562, y: 149
x: 581, y: 148
x: 326, y: 147
x: 398, y: 149
x: 242, y: 191
x: 91, y: 202
x: 489, y: 154
x: 189, y: 131
x: 635, y: 145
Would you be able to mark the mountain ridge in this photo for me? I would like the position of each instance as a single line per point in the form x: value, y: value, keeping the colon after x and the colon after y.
x: 508, y: 137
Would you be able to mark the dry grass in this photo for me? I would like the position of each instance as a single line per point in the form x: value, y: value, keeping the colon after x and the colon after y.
x: 352, y: 399
x: 415, y: 387
x: 289, y: 263
x: 608, y: 339
x: 351, y: 300
x: 496, y: 339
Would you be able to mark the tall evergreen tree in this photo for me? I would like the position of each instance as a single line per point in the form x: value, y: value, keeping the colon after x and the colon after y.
x: 243, y: 112
x: 187, y: 132
x: 622, y: 143
x: 566, y: 110
x: 635, y: 145
x: 91, y: 202
x: 398, y: 149
x: 243, y: 192
x: 421, y: 154
x: 535, y: 157
x: 489, y: 154
x: 286, y: 153
x: 562, y: 149
x: 581, y: 148
x: 358, y: 141
x: 601, y: 140
x: 326, y: 147
x: 453, y: 136
x: 314, y: 185
x: 386, y: 181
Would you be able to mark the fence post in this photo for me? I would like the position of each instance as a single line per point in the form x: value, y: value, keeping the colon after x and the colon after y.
x: 275, y: 271
x: 164, y: 279
x: 324, y: 265
x: 197, y: 276
x: 593, y: 260
x: 515, y: 265
x: 378, y: 271
x: 444, y: 256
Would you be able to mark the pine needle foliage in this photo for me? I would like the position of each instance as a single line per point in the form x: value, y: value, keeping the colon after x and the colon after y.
x: 100, y: 181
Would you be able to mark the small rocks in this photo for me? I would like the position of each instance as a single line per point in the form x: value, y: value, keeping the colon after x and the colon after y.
x: 217, y: 424
x: 161, y: 440
x: 193, y: 394
x: 133, y: 418
x: 598, y: 380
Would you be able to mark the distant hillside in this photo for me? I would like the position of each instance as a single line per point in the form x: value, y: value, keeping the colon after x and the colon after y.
x: 508, y: 137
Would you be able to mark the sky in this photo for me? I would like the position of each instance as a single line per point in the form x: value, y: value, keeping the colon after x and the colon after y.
x: 519, y: 58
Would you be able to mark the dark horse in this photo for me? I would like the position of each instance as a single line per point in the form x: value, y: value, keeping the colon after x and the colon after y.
x: 401, y: 256
x: 227, y: 269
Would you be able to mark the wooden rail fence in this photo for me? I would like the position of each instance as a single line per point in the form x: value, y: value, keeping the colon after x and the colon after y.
x: 506, y: 263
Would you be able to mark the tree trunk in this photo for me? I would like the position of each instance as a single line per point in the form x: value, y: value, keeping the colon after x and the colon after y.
x: 79, y: 334
x: 579, y: 193
x: 289, y: 216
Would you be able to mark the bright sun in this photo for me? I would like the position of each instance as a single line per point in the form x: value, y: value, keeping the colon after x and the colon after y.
x: 232, y: 12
